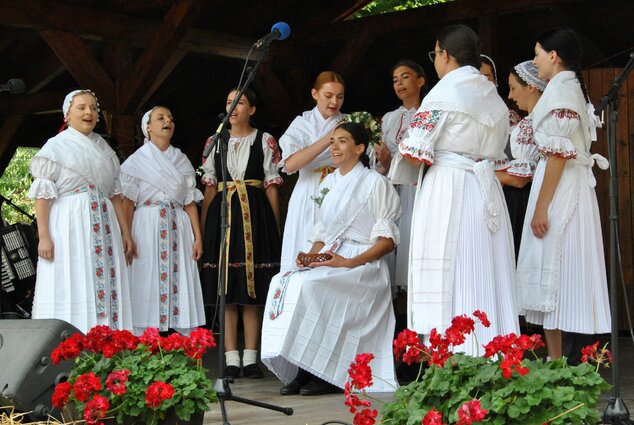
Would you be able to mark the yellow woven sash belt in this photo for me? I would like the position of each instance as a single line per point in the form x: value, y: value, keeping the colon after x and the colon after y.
x: 240, y: 186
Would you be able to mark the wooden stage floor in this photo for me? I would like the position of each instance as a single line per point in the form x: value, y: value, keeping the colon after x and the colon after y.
x: 318, y: 410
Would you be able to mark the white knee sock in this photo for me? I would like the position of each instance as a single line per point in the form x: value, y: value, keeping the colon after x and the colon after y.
x: 249, y: 357
x: 232, y: 358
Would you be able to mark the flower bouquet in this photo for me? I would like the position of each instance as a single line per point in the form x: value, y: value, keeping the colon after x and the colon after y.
x: 139, y: 380
x: 499, y: 388
x: 369, y: 122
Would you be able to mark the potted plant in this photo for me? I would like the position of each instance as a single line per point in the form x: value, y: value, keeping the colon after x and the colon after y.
x: 501, y: 387
x: 145, y: 379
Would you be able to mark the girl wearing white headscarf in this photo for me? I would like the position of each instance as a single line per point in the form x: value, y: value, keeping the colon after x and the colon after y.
x: 525, y: 88
x: 158, y: 180
x: 84, y: 240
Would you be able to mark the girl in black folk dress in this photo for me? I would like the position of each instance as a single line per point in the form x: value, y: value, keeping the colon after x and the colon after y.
x: 253, y: 253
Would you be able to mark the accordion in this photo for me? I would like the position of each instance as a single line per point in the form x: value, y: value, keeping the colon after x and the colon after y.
x: 18, y: 258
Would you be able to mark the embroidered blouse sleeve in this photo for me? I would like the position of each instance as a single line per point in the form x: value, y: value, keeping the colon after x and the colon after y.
x: 553, y: 133
x: 272, y: 157
x: 386, y: 209
x: 524, y: 150
x: 209, y: 177
x: 193, y: 194
x: 424, y: 130
x: 130, y: 187
x: 45, y: 173
x: 292, y: 141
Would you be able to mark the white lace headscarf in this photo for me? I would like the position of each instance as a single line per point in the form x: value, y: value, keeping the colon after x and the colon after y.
x: 69, y: 99
x: 527, y: 71
x: 495, y: 71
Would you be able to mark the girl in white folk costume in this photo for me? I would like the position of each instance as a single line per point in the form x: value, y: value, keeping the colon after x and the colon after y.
x: 561, y: 270
x: 305, y: 147
x: 318, y: 318
x: 84, y: 240
x: 160, y: 196
x: 253, y: 248
x: 408, y: 80
x: 525, y: 88
x: 462, y: 250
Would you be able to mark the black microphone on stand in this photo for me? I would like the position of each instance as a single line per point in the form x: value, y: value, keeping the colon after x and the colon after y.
x: 15, y: 86
x: 279, y: 31
x: 216, y: 136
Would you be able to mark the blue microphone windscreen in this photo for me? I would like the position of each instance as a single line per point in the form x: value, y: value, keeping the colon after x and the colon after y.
x: 283, y: 28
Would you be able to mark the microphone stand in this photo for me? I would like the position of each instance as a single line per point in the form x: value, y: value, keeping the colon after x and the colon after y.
x: 221, y: 386
x: 615, y: 411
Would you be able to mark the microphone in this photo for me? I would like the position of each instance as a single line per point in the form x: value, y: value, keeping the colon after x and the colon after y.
x: 14, y: 86
x: 215, y: 137
x: 279, y: 31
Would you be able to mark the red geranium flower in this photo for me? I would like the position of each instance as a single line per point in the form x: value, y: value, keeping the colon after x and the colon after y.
x: 360, y: 373
x: 61, y: 394
x: 85, y: 385
x: 115, y: 382
x: 471, y: 412
x: 433, y: 417
x: 365, y: 417
x: 157, y: 393
x: 96, y: 409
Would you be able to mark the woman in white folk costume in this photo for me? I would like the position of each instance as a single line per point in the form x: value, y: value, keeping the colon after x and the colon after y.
x: 305, y: 149
x: 462, y: 249
x: 318, y: 318
x: 253, y: 250
x: 408, y: 80
x: 84, y: 240
x: 160, y: 195
x: 525, y: 89
x: 561, y: 270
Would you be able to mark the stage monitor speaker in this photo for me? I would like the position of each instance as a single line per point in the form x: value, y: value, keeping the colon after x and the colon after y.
x: 27, y: 373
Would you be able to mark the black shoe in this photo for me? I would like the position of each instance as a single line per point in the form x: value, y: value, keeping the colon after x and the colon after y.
x: 232, y: 372
x: 293, y: 387
x: 319, y: 387
x: 252, y: 371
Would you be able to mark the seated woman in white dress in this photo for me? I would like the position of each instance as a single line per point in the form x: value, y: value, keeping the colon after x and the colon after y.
x: 318, y: 318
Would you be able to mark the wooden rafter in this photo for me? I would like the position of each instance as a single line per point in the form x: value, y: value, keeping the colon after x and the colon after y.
x: 157, y: 55
x: 99, y: 24
x: 352, y: 52
x: 81, y: 63
x: 416, y: 18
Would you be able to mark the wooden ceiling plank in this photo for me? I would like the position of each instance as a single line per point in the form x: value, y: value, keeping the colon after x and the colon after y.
x: 352, y: 52
x: 157, y: 55
x: 173, y: 61
x: 98, y: 24
x: 445, y: 13
x: 81, y: 63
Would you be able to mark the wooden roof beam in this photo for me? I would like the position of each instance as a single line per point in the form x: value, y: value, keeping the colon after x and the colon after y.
x: 157, y: 55
x: 440, y: 14
x: 82, y: 64
x: 98, y: 24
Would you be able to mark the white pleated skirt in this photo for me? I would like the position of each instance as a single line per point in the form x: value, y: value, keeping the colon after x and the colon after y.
x: 185, y: 309
x: 407, y: 193
x: 453, y: 249
x: 582, y: 303
x: 66, y: 287
x: 300, y: 218
x: 328, y: 316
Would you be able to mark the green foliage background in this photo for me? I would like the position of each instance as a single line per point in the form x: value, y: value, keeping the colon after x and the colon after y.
x: 14, y: 185
x: 386, y: 6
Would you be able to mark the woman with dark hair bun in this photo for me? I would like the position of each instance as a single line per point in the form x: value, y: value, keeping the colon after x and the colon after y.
x: 461, y: 254
x: 561, y: 269
x: 336, y: 303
